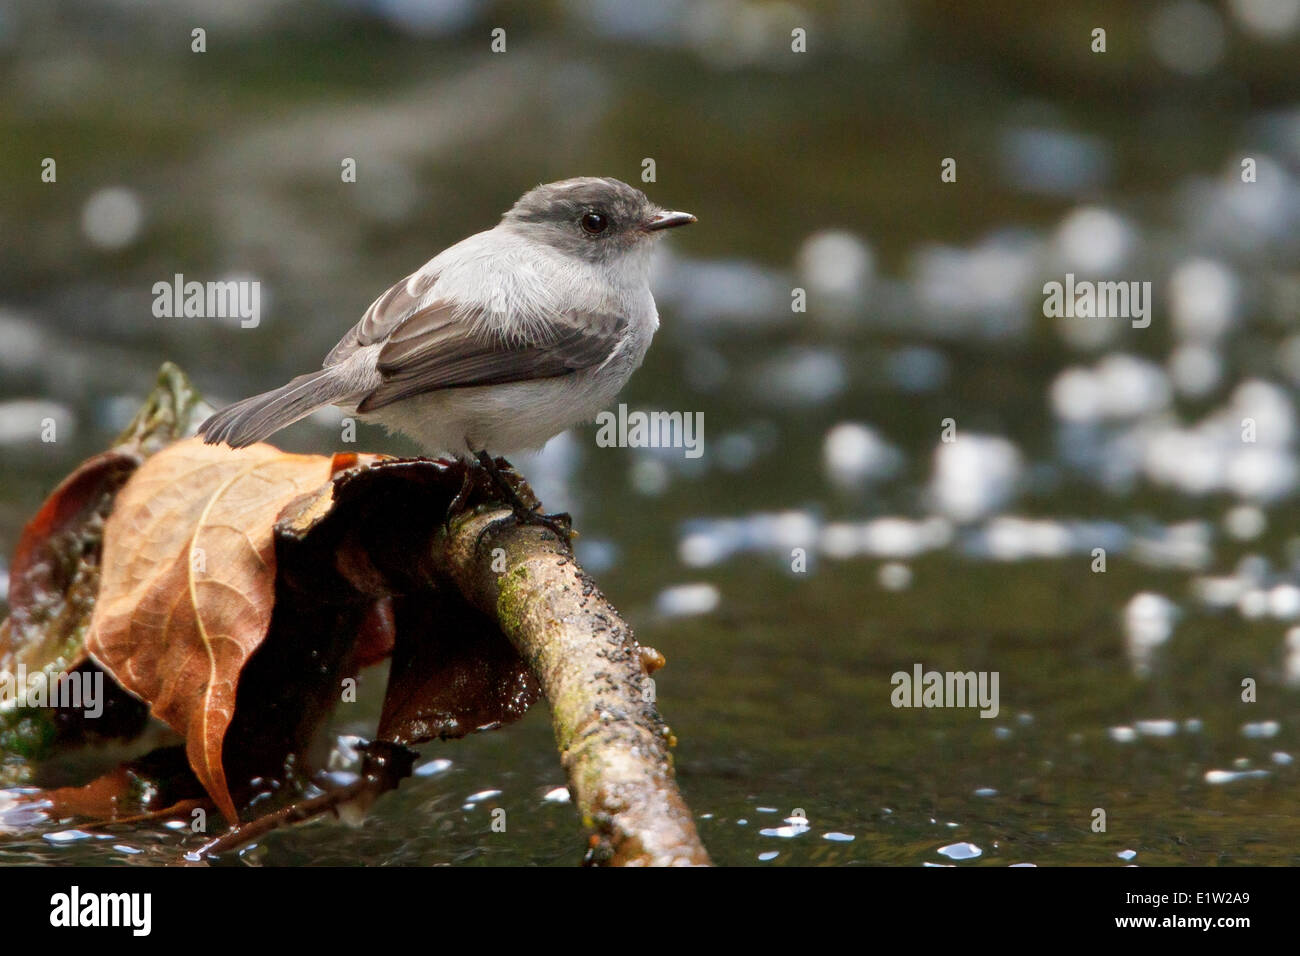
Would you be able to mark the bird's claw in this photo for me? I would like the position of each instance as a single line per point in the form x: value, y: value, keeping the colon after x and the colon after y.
x: 559, y: 524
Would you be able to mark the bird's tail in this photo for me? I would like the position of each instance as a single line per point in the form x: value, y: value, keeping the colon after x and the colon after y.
x: 253, y: 419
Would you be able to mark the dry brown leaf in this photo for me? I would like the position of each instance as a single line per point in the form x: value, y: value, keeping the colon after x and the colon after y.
x: 188, y: 584
x: 54, y: 576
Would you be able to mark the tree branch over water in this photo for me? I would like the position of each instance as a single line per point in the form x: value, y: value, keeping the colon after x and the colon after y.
x: 612, y: 740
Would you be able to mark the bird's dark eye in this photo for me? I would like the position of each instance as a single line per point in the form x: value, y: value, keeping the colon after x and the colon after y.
x: 593, y: 223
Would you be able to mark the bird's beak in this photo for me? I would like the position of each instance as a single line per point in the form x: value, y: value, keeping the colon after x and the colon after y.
x: 668, y: 220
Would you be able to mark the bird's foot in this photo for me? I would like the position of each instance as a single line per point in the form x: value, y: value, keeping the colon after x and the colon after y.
x: 559, y: 524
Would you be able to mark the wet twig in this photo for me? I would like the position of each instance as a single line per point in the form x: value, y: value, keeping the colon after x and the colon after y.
x: 385, y: 766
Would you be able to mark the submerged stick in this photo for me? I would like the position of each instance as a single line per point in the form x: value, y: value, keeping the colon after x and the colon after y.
x: 613, y: 743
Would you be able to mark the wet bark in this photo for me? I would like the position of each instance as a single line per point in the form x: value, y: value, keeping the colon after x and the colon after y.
x: 614, y: 745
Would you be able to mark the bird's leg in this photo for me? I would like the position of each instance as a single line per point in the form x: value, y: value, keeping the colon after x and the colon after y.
x: 560, y: 524
x: 458, y: 503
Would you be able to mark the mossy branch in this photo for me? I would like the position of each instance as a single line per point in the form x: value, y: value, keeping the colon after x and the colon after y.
x: 613, y: 743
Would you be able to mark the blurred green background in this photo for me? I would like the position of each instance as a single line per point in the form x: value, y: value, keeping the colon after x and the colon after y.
x: 823, y: 429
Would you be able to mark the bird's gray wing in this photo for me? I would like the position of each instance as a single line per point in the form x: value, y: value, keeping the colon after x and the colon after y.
x: 428, y: 344
x: 385, y: 314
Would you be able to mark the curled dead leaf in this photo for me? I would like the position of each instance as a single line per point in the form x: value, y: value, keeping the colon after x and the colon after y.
x: 233, y: 592
x: 188, y: 584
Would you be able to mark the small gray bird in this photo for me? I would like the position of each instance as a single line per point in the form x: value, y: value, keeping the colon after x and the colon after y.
x: 498, y: 343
